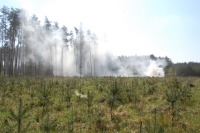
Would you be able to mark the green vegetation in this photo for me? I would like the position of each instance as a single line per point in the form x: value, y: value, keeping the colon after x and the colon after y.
x: 103, y: 104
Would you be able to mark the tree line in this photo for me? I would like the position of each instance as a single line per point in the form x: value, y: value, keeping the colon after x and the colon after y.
x: 183, y: 69
x: 179, y: 69
x: 30, y: 48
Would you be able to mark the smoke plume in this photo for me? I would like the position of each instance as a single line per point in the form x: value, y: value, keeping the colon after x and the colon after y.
x: 75, y: 53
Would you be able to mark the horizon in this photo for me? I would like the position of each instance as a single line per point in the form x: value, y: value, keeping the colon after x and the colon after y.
x: 169, y: 28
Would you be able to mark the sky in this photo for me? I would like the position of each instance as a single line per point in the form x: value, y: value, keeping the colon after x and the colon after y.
x: 129, y: 27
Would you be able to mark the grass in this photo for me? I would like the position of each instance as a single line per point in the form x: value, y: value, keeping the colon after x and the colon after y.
x: 52, y: 105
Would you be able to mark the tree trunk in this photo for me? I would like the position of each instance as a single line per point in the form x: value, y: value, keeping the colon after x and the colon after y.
x: 62, y: 60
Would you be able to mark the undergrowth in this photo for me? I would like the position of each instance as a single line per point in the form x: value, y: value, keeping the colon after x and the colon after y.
x: 99, y: 104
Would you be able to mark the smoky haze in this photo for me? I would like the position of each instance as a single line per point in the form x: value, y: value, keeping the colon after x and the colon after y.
x: 58, y: 51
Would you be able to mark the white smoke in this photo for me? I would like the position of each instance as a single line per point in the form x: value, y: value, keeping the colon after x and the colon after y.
x: 79, y: 94
x: 134, y: 66
x: 51, y: 50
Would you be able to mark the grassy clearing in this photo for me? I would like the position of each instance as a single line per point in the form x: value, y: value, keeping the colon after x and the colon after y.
x: 104, y: 104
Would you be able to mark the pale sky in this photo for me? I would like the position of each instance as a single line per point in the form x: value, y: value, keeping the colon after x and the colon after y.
x: 129, y: 27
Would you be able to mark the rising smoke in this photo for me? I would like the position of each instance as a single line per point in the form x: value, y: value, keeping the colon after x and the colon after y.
x: 75, y: 53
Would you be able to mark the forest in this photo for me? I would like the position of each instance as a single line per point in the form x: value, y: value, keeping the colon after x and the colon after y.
x: 29, y: 48
x: 34, y: 49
